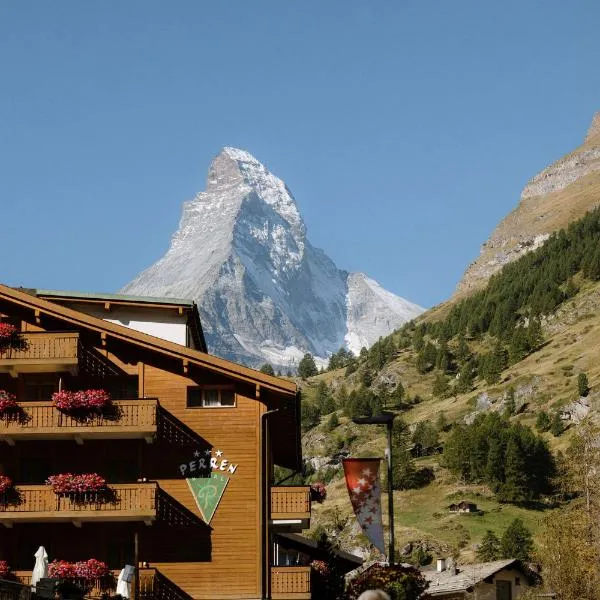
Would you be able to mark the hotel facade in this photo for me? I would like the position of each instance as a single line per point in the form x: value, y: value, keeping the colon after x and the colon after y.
x: 187, y: 447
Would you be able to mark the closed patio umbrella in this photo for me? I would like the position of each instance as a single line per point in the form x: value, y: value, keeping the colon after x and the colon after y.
x: 124, y: 582
x: 40, y: 570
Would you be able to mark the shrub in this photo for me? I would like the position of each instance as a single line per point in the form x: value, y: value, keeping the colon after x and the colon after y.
x: 318, y: 492
x: 5, y: 484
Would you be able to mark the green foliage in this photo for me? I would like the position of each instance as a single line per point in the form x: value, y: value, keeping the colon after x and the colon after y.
x: 441, y: 386
x: 466, y: 375
x: 441, y: 423
x: 489, y: 549
x: 307, y: 366
x: 510, y: 408
x: 333, y: 422
x: 405, y: 475
x: 310, y: 415
x: 426, y: 435
x: 267, y: 369
x: 510, y: 458
x: 542, y: 422
x: 362, y: 403
x: 556, y: 425
x: 323, y: 399
x: 340, y: 359
x: 400, y: 582
x: 493, y: 363
x: 517, y: 542
x: 583, y: 386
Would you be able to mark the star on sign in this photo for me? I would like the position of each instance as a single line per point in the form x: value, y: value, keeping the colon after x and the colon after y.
x: 207, y: 452
x: 219, y: 453
x: 196, y: 454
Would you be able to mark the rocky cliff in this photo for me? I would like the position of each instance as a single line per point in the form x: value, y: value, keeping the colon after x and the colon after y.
x: 561, y: 193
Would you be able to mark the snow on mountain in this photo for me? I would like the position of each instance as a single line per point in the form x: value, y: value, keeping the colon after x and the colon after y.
x: 264, y: 292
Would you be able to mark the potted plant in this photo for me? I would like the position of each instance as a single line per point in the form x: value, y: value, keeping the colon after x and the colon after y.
x: 5, y: 484
x: 75, y: 580
x: 5, y: 572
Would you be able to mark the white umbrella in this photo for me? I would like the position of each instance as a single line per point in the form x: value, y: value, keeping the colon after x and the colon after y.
x: 40, y: 570
x: 123, y: 587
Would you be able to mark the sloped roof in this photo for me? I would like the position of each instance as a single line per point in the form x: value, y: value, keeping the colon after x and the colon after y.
x: 466, y: 575
x: 150, y: 342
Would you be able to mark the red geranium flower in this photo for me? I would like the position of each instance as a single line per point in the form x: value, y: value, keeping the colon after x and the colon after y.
x: 68, y: 483
x: 8, y: 401
x: 5, y: 484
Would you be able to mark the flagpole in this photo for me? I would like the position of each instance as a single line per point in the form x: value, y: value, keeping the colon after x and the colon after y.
x: 385, y: 418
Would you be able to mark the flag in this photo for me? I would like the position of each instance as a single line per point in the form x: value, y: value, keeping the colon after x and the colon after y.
x: 362, y: 481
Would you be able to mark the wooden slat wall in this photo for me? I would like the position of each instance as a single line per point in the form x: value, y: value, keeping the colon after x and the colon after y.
x: 233, y: 568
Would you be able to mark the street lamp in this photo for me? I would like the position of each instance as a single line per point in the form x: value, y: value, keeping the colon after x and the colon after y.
x: 385, y: 418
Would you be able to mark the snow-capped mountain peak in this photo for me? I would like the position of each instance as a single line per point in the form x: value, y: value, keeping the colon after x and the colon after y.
x: 264, y: 292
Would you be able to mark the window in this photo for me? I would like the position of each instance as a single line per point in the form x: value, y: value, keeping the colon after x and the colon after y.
x: 210, y: 397
x: 517, y: 581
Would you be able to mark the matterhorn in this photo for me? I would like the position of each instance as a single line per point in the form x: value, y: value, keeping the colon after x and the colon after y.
x: 265, y: 294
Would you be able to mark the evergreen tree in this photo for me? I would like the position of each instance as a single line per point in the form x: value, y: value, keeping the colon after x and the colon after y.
x: 489, y: 549
x: 310, y: 415
x: 517, y: 542
x: 404, y: 470
x: 534, y: 334
x: 462, y: 353
x: 323, y: 399
x: 494, y: 468
x: 542, y: 422
x: 515, y: 487
x: 333, y: 422
x: 441, y: 423
x: 307, y: 366
x: 267, y: 369
x: 398, y: 394
x: 519, y: 345
x: 556, y: 424
x: 441, y: 387
x: 426, y: 435
x: 510, y: 408
x: 583, y: 386
x: 341, y: 397
x: 465, y: 378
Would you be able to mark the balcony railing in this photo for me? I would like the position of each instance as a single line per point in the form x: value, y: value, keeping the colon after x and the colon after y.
x: 290, y: 503
x: 45, y: 351
x: 40, y: 420
x: 290, y: 583
x: 153, y: 586
x: 39, y: 504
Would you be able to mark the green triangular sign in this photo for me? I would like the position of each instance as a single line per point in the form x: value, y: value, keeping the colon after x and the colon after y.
x: 207, y: 492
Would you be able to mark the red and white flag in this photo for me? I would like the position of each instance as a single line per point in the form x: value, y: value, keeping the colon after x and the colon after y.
x: 362, y: 481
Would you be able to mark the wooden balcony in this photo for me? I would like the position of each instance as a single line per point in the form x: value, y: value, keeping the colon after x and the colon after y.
x: 290, y: 583
x: 290, y: 502
x: 46, y: 352
x: 129, y: 419
x: 39, y: 504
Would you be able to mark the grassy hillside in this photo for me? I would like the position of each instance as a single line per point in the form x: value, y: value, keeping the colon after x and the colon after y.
x: 546, y: 379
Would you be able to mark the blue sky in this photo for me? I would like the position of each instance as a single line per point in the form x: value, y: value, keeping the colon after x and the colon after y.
x: 406, y: 130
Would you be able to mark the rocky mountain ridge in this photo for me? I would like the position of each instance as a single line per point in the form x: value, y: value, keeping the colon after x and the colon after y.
x: 264, y: 292
x: 559, y: 194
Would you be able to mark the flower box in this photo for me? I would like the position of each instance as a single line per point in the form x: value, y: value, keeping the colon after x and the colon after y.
x: 88, y: 570
x: 8, y: 403
x: 82, y: 401
x: 68, y: 483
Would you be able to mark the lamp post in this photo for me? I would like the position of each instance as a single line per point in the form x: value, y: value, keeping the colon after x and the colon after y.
x: 385, y: 418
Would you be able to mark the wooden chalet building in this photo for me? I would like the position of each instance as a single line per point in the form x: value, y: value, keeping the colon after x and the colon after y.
x: 187, y: 448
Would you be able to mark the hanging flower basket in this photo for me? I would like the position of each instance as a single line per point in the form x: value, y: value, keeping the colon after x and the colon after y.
x: 318, y: 492
x: 8, y: 403
x: 5, y: 572
x: 6, y: 484
x: 10, y: 337
x: 82, y: 402
x: 70, y: 484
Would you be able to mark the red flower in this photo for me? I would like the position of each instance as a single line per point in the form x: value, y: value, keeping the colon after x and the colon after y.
x: 7, y: 332
x: 67, y: 483
x: 84, y: 569
x: 84, y: 400
x: 320, y: 567
x: 7, y: 401
x: 318, y: 492
x: 4, y: 568
x: 5, y: 484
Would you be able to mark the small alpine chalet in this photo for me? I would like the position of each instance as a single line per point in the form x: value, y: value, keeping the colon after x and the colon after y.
x: 123, y: 442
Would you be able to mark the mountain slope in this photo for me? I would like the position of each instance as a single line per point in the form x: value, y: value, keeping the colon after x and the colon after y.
x: 561, y: 193
x: 264, y: 292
